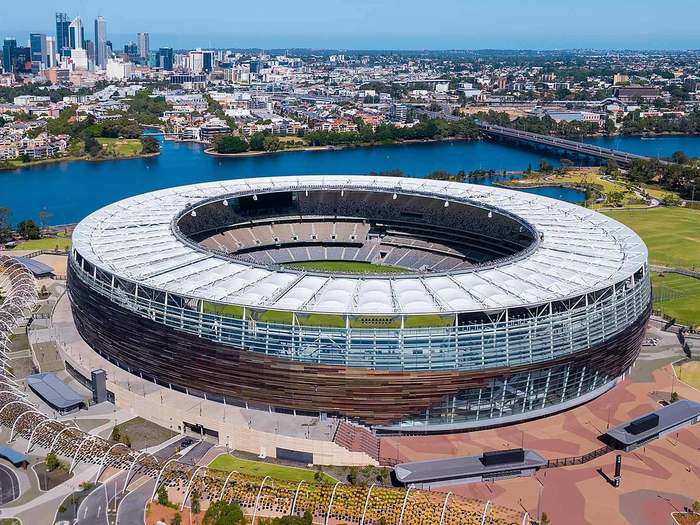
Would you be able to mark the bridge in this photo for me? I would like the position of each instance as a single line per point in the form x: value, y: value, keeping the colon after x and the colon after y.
x: 570, y: 147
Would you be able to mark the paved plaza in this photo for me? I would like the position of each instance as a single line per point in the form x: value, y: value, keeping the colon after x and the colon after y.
x: 660, y: 478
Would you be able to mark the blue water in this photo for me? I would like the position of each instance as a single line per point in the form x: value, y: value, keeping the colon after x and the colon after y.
x: 71, y: 190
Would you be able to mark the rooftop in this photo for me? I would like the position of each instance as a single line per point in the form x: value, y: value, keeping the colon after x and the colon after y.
x: 580, y: 251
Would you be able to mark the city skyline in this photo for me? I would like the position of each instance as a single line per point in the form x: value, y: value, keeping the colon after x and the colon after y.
x: 449, y: 24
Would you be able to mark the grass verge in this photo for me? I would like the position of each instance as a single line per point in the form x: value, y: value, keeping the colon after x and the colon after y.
x: 228, y: 463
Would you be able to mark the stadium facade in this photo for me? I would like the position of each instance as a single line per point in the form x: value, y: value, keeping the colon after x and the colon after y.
x: 504, y: 306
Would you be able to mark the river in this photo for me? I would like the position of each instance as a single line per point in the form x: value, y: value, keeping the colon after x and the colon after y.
x: 69, y: 191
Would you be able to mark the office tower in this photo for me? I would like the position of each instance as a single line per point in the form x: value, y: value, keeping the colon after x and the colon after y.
x: 76, y: 34
x: 100, y: 42
x: 208, y: 61
x: 144, y: 45
x: 195, y: 61
x: 50, y: 51
x: 132, y: 51
x: 37, y: 44
x: 20, y: 58
x: 62, y: 34
x: 90, y: 50
x: 165, y: 58
x: 9, y: 47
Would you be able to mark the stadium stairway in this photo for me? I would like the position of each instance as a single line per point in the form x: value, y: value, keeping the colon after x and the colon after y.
x: 356, y: 438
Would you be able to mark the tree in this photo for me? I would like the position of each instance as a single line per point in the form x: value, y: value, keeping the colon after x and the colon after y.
x: 271, y: 143
x: 5, y: 230
x: 44, y: 216
x: 674, y: 396
x: 222, y: 513
x: 545, y: 167
x: 163, y: 496
x: 150, y: 145
x: 177, y: 519
x: 696, y: 506
x: 352, y: 476
x: 52, y: 462
x: 28, y: 229
x: 257, y: 142
x: 679, y: 157
x: 230, y: 144
x: 92, y: 147
x: 544, y: 520
x: 194, y: 501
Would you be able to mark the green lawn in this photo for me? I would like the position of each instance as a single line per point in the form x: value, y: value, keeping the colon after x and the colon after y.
x: 121, y: 147
x: 677, y: 296
x: 48, y: 243
x: 689, y: 373
x: 345, y: 267
x: 227, y: 463
x: 671, y: 234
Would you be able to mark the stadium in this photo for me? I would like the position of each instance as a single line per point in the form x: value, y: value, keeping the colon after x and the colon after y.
x: 407, y: 305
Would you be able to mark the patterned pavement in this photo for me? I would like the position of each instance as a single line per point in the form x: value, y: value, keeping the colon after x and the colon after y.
x: 658, y: 479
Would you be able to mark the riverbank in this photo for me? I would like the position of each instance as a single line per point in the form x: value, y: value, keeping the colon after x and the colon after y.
x: 19, y: 165
x: 601, y: 192
x: 338, y: 147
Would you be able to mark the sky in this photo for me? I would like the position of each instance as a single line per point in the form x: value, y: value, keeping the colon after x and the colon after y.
x: 376, y: 24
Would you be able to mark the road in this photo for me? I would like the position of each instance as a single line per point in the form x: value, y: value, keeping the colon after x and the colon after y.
x: 93, y: 509
x: 9, y: 485
x: 132, y: 506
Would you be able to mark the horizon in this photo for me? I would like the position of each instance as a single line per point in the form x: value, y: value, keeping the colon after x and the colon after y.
x: 372, y: 25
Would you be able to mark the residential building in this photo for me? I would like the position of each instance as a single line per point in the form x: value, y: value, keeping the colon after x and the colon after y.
x: 79, y: 57
x: 620, y: 78
x: 118, y: 69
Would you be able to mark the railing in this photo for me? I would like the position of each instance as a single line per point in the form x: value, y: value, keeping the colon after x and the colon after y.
x: 578, y: 460
x: 565, y: 144
x: 502, y: 342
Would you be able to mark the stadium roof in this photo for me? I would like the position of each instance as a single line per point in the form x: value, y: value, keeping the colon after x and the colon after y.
x: 580, y: 251
x: 55, y: 392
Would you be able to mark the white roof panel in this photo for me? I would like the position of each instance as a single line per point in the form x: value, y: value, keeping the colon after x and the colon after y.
x: 579, y: 251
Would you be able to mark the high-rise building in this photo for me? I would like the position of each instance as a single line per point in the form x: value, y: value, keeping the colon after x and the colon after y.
x: 76, y: 34
x: 9, y: 48
x: 164, y: 58
x: 62, y: 34
x: 90, y: 50
x: 37, y: 43
x: 208, y: 61
x: 144, y: 45
x: 132, y: 51
x: 100, y: 42
x: 50, y: 51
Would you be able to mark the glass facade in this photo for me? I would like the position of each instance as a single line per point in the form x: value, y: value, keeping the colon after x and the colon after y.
x: 476, y: 342
x: 501, y: 339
